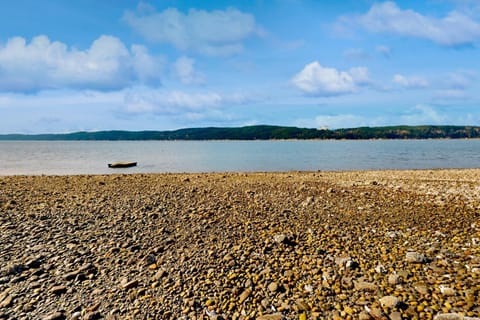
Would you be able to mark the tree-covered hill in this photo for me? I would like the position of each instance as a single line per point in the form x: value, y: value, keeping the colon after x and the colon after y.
x: 266, y: 132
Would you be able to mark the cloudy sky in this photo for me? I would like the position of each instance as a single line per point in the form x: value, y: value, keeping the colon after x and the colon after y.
x: 166, y: 64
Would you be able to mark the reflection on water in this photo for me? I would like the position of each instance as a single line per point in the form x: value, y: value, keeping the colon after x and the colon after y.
x: 91, y: 157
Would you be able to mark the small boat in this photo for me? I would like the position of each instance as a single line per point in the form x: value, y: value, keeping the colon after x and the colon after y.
x: 122, y: 164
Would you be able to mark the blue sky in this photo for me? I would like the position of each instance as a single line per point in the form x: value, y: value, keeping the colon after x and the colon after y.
x: 158, y: 65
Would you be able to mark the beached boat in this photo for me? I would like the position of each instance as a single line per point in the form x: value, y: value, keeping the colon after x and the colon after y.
x: 122, y: 164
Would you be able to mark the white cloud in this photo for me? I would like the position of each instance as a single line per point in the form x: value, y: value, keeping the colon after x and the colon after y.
x: 178, y: 102
x: 424, y: 115
x: 469, y: 7
x: 134, y: 108
x: 317, y: 80
x: 42, y: 64
x: 420, y: 114
x: 360, y: 75
x: 184, y: 69
x: 147, y: 67
x: 336, y: 121
x: 218, y: 32
x: 61, y: 99
x: 455, y: 29
x: 460, y: 79
x: 412, y: 82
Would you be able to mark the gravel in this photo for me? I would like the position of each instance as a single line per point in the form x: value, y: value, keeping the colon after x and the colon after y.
x: 294, y: 245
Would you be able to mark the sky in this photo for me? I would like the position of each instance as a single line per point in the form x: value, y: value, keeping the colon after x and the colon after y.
x: 89, y: 65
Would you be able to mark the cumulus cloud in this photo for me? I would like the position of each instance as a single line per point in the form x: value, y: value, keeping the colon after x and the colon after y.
x: 412, y: 82
x: 184, y: 69
x: 454, y: 29
x: 43, y: 64
x: 218, y: 32
x: 360, y: 75
x: 314, y: 79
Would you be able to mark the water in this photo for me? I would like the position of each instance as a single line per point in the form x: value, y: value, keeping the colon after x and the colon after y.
x: 91, y: 157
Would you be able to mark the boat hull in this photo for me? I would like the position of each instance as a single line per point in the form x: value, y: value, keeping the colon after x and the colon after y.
x: 122, y: 165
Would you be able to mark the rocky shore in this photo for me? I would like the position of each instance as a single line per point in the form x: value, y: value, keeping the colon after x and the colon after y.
x: 316, y: 245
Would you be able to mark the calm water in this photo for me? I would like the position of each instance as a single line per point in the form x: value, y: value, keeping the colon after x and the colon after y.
x: 91, y: 157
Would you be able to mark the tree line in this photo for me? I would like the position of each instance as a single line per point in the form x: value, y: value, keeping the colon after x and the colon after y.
x: 266, y: 132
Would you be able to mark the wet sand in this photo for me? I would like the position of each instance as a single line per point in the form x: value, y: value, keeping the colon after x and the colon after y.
x: 310, y: 245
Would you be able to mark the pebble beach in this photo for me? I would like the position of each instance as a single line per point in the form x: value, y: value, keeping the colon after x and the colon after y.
x: 267, y: 246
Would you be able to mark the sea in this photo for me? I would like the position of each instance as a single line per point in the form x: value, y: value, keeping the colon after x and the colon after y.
x: 92, y: 157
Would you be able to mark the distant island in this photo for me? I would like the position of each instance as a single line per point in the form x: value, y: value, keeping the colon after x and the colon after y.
x: 266, y: 132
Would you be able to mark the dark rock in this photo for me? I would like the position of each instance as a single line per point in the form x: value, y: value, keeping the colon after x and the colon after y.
x: 55, y: 316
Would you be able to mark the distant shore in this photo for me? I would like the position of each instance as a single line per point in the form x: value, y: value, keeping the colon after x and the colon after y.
x: 264, y: 132
x: 286, y: 245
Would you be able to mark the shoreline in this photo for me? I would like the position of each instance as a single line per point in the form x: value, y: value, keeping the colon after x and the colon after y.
x: 232, y: 173
x: 241, y: 140
x: 125, y: 172
x: 285, y: 245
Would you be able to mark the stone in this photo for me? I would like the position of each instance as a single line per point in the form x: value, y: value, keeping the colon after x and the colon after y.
x: 265, y: 303
x: 350, y: 264
x: 396, y: 315
x: 307, y: 202
x: 57, y: 315
x: 364, y: 316
x: 280, y: 238
x: 34, y: 262
x: 395, y: 279
x: 71, y: 275
x: 302, y: 305
x: 380, y: 269
x: 448, y: 316
x: 375, y: 312
x: 97, y: 292
x: 447, y: 291
x: 348, y: 310
x: 308, y: 288
x: 159, y: 274
x: 94, y: 307
x: 365, y: 286
x: 421, y: 288
x: 342, y: 260
x: 58, y: 289
x: 415, y: 257
x: 93, y: 316
x: 245, y: 294
x: 76, y: 315
x: 6, y: 302
x: 389, y: 301
x: 228, y: 257
x: 405, y: 274
x: 273, y: 287
x: 13, y: 269
x: 130, y: 284
x: 273, y: 316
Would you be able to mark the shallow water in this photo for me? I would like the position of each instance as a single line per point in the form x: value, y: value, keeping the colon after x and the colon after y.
x: 92, y: 157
